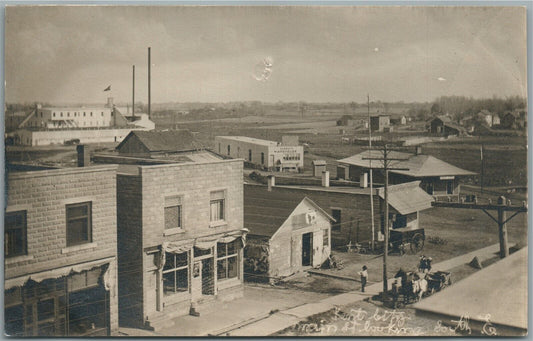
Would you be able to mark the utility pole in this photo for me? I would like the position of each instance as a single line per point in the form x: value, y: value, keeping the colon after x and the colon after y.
x: 386, y: 159
x: 370, y: 173
x: 502, y: 207
x: 482, y: 168
x: 149, y: 85
x: 133, y: 96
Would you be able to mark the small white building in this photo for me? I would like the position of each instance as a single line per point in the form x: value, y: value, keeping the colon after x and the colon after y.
x: 293, y: 237
x: 273, y: 155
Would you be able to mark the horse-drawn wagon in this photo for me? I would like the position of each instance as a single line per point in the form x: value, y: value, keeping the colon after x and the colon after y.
x: 402, y: 239
x: 411, y: 286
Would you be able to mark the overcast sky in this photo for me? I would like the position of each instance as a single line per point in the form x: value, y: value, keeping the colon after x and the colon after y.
x: 220, y: 54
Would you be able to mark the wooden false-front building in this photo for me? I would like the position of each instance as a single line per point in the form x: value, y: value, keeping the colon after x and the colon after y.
x: 285, y: 237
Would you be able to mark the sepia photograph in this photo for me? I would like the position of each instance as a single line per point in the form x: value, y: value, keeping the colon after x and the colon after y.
x: 265, y: 171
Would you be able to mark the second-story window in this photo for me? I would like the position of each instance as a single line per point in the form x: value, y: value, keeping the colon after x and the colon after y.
x: 173, y: 213
x: 79, y: 225
x: 15, y: 234
x: 217, y: 206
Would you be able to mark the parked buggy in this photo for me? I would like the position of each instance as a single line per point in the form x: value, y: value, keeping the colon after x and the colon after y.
x: 406, y: 238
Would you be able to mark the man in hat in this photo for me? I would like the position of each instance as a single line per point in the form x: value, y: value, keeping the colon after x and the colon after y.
x: 364, y: 276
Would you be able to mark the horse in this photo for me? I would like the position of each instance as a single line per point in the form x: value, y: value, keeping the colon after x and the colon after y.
x: 413, y: 285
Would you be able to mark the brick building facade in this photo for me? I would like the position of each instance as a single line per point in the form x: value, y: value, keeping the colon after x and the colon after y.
x: 60, y: 253
x: 180, y: 237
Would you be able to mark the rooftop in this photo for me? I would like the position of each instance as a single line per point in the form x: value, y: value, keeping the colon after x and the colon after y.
x: 264, y: 214
x: 250, y: 140
x: 163, y: 141
x: 418, y: 165
x: 407, y: 198
x: 476, y: 296
x: 130, y: 165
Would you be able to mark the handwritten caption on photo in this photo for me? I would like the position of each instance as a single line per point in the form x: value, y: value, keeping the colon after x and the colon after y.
x: 389, y: 322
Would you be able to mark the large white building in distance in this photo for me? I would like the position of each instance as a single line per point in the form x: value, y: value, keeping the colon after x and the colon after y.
x: 284, y: 156
x: 59, y: 125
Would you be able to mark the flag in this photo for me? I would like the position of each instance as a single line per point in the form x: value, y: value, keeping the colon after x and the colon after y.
x: 108, y: 88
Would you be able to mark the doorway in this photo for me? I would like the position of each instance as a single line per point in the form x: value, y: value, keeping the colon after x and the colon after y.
x: 208, y: 277
x: 307, y: 249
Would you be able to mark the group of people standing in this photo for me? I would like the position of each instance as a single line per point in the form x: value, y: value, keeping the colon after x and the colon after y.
x: 424, y: 266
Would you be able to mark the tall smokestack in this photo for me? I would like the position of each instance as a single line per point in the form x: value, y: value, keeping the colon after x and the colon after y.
x: 149, y: 79
x: 133, y: 96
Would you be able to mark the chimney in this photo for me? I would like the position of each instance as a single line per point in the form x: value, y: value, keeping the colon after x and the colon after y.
x: 363, y: 180
x: 271, y: 181
x: 325, y: 178
x: 110, y: 102
x: 84, y: 155
x: 418, y: 150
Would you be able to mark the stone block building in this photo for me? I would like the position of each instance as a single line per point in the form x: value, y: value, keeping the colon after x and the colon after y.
x: 180, y: 237
x: 61, y: 253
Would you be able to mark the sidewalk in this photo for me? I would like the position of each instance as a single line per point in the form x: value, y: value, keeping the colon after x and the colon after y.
x: 287, y: 318
x: 256, y: 316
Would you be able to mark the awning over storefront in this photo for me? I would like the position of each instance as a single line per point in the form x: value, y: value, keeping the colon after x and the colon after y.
x: 407, y: 198
x: 205, y: 242
x: 55, y: 273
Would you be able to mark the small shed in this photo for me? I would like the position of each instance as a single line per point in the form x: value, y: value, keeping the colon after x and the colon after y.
x: 319, y: 166
x: 285, y: 237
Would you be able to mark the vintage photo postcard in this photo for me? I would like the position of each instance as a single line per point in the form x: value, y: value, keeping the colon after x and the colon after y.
x: 299, y: 171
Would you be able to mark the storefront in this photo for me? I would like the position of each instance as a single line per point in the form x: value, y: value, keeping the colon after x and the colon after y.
x: 62, y: 302
x: 191, y: 272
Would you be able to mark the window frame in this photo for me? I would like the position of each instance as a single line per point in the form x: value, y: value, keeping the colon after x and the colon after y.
x: 220, y: 199
x: 88, y: 216
x: 23, y: 227
x: 175, y: 270
x: 180, y: 216
x: 226, y: 258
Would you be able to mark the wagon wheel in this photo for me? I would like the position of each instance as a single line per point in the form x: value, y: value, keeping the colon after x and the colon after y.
x: 417, y: 242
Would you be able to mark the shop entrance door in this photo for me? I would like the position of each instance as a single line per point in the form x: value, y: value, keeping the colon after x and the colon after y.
x: 307, y: 249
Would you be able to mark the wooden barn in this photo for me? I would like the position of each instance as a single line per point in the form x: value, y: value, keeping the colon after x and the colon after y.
x: 285, y: 236
x: 444, y: 126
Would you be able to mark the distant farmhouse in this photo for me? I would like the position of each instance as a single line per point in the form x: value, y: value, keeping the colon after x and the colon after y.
x: 516, y: 119
x: 58, y: 125
x: 442, y: 125
x: 380, y: 123
x: 398, y: 120
x: 437, y: 177
x: 284, y: 156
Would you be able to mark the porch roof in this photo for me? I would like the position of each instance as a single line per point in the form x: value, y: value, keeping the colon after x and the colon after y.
x: 407, y: 198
